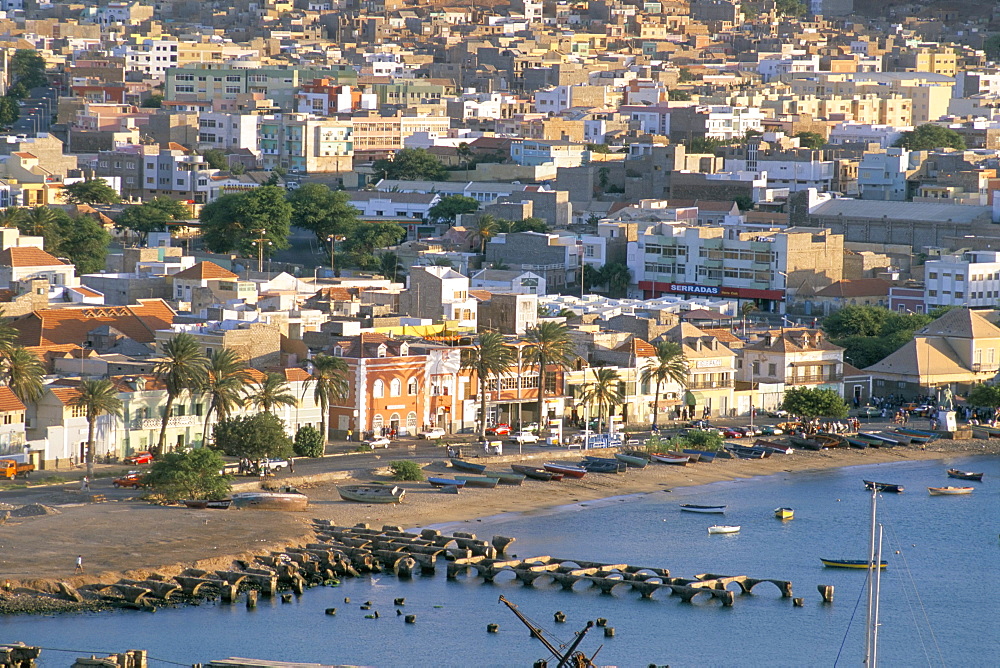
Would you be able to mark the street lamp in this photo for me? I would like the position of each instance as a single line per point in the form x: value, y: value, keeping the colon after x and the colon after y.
x: 333, y: 239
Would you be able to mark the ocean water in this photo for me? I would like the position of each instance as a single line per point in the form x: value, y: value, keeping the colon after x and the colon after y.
x: 939, y: 601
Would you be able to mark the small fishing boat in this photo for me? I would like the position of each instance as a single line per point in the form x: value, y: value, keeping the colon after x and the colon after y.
x: 886, y: 441
x: 692, y: 459
x: 479, y: 481
x: 292, y: 501
x: 721, y: 528
x: 965, y: 475
x: 197, y: 504
x: 445, y: 482
x: 806, y: 443
x: 641, y: 454
x: 883, y: 486
x: 219, y: 504
x: 632, y: 462
x: 449, y: 489
x: 703, y: 457
x: 594, y: 466
x: 747, y: 453
x: 850, y: 563
x: 712, y: 510
x: 774, y: 446
x: 872, y: 442
x: 784, y: 513
x: 914, y: 438
x: 565, y: 469
x: 950, y: 491
x: 918, y: 432
x: 857, y: 443
x: 664, y: 458
x: 505, y: 477
x: 371, y: 493
x: 536, y: 473
x: 468, y: 467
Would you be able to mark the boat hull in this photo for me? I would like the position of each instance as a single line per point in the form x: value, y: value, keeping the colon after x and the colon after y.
x: 271, y: 501
x: 506, y: 478
x: 784, y: 513
x: 467, y: 467
x: 371, y: 493
x: 723, y: 529
x: 850, y: 563
x: 536, y: 473
x: 950, y: 491
x: 479, y: 481
x: 566, y: 470
x: 446, y: 482
x: 663, y: 458
x: 884, y: 486
x: 965, y: 475
x: 632, y: 462
x: 711, y: 510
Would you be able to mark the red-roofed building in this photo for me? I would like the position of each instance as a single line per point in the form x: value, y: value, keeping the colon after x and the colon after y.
x: 23, y: 263
x: 58, y: 326
x: 12, y: 423
x: 207, y: 284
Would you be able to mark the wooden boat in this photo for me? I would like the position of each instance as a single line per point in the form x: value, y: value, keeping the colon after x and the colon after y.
x: 886, y: 441
x: 872, y: 442
x: 721, y: 528
x: 664, y: 458
x: 703, y: 457
x: 806, y: 443
x: 536, y: 473
x: 198, y: 504
x: 468, y: 467
x: 566, y: 469
x: 692, y: 459
x: 712, y: 510
x: 505, y: 477
x: 775, y: 446
x: 292, y: 501
x: 747, y: 453
x: 918, y: 432
x: 591, y: 466
x: 640, y: 454
x: 950, y: 491
x: 965, y: 475
x: 829, y: 440
x: 850, y: 563
x: 449, y: 489
x: 883, y: 486
x: 717, y: 454
x: 784, y: 513
x: 219, y: 504
x: 371, y: 493
x: 632, y: 462
x: 445, y: 482
x: 914, y: 438
x: 857, y: 443
x: 479, y: 481
x: 994, y: 432
x: 980, y: 432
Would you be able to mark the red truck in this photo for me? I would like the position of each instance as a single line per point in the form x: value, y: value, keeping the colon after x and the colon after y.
x: 11, y: 469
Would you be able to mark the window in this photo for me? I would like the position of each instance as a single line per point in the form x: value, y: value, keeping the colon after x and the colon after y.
x: 772, y: 369
x: 78, y: 411
x: 411, y: 386
x: 378, y: 389
x: 232, y: 89
x: 411, y: 422
x: 395, y: 387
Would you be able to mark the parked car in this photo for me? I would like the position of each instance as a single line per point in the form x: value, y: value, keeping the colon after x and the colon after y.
x: 131, y: 479
x: 531, y: 426
x: 771, y: 430
x: 380, y: 442
x: 524, y: 437
x: 432, y: 434
x: 498, y: 430
x: 732, y: 432
x: 273, y: 465
x: 752, y: 430
x: 778, y: 414
x: 869, y: 412
x: 140, y: 458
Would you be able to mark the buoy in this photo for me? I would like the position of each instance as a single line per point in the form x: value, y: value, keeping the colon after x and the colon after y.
x: 399, y: 601
x: 331, y: 611
x: 492, y: 628
x: 410, y: 619
x: 601, y: 621
x: 609, y: 632
x: 559, y: 617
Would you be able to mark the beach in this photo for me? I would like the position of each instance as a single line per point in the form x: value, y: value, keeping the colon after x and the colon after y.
x: 133, y: 539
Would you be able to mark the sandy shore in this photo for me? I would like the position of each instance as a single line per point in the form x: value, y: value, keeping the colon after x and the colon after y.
x: 133, y: 539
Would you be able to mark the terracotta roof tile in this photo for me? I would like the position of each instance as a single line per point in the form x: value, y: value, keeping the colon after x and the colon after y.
x: 57, y: 326
x: 65, y: 394
x: 9, y: 401
x: 204, y: 271
x: 27, y: 256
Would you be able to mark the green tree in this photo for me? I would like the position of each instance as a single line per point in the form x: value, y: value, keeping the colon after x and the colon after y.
x: 309, y: 442
x: 464, y: 153
x: 790, y: 7
x: 489, y: 357
x: 151, y: 216
x: 322, y: 211
x: 9, y: 110
x: 928, y: 137
x: 670, y: 364
x: 91, y: 191
x: 329, y: 375
x: 412, y: 164
x: 406, y: 470
x: 82, y: 240
x: 984, y: 396
x: 254, y: 437
x: 367, y: 238
x: 154, y: 101
x: 744, y: 202
x: 617, y: 276
x: 548, y: 344
x: 678, y: 95
x: 450, y: 207
x: 811, y: 140
x: 605, y: 391
x: 814, y: 402
x: 12, y: 216
x: 992, y: 46
x: 96, y: 398
x: 686, y: 75
x: 871, y: 333
x: 28, y: 68
x: 181, y: 368
x: 216, y: 158
x: 602, y: 149
x: 189, y: 474
x: 234, y: 222
x: 23, y: 372
x: 225, y: 377
x: 486, y: 228
x: 389, y: 266
x: 271, y: 392
x: 705, y: 144
x: 529, y: 225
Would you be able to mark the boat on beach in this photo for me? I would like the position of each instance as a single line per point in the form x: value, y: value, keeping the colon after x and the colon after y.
x: 371, y: 493
x: 884, y: 440
x: 479, y: 481
x: 850, y: 563
x: 219, y: 504
x: 883, y: 486
x: 857, y: 443
x: 965, y: 475
x: 784, y: 513
x: 565, y: 469
x: 712, y: 510
x: 632, y: 461
x: 536, y: 473
x: 806, y: 443
x: 703, y: 457
x: 468, y: 467
x: 446, y: 482
x: 748, y: 452
x: 597, y: 465
x: 292, y: 501
x: 664, y: 458
x: 721, y: 528
x: 506, y: 477
x: 950, y: 491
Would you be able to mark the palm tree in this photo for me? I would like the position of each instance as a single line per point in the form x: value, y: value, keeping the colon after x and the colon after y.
x: 617, y: 277
x: 11, y: 216
x: 38, y: 220
x: 464, y: 152
x: 548, y: 343
x: 487, y: 227
x: 489, y: 358
x: 605, y: 392
x: 226, y: 376
x: 182, y: 369
x: 22, y: 373
x: 669, y: 364
x: 271, y: 392
x: 330, y: 375
x: 389, y: 266
x: 97, y: 398
x: 746, y: 310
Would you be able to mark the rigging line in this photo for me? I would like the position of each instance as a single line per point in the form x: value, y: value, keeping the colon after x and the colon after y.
x: 904, y: 590
x: 854, y: 612
x: 103, y: 651
x: 916, y: 593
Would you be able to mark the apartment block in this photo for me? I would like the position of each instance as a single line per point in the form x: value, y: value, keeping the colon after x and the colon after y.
x: 305, y: 143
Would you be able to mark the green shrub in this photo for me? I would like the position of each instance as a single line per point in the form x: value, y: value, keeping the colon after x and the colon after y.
x: 703, y: 440
x: 308, y: 442
x: 406, y: 470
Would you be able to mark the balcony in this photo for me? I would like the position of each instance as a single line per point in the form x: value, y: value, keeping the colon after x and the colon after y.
x: 176, y: 421
x: 978, y: 367
x: 814, y: 379
x: 709, y: 384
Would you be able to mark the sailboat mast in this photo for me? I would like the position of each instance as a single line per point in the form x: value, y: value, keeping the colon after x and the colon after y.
x: 868, y: 660
x: 878, y: 591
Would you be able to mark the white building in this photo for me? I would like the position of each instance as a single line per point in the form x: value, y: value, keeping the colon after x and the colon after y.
x: 970, y: 279
x: 150, y: 57
x: 521, y: 282
x: 725, y: 122
x: 792, y: 174
x: 221, y: 130
x: 850, y: 132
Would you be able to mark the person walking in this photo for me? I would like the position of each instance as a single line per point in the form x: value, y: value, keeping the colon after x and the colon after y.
x: 79, y: 564
x: 291, y: 464
x: 85, y: 484
x: 350, y: 433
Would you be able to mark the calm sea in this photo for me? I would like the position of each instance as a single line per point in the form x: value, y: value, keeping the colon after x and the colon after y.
x: 939, y: 599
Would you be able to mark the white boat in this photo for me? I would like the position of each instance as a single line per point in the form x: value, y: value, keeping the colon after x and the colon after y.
x: 271, y: 501
x: 721, y: 528
x: 944, y: 491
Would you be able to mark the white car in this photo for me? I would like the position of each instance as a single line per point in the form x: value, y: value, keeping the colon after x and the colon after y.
x: 273, y: 465
x: 524, y: 437
x: 432, y: 434
x: 381, y: 442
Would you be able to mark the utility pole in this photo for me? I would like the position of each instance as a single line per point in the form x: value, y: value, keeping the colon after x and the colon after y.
x: 259, y: 242
x: 333, y: 239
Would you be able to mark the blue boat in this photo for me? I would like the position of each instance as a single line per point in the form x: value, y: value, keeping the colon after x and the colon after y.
x: 468, y: 467
x: 703, y: 455
x: 929, y: 435
x: 446, y: 482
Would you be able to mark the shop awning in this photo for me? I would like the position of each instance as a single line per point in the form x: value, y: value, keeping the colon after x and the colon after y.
x: 693, y: 398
